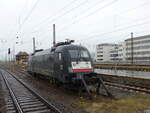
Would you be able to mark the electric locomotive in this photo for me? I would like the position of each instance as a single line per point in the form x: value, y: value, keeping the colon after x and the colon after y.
x: 65, y: 63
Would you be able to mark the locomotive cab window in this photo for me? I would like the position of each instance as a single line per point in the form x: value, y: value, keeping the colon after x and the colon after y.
x: 84, y: 54
x: 78, y: 53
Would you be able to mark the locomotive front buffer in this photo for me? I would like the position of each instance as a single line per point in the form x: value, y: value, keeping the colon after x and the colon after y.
x: 91, y: 82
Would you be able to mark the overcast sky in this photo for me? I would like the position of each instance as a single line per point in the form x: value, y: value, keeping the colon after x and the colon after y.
x: 88, y: 22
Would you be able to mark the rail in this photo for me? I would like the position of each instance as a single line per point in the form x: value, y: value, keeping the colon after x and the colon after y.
x: 129, y: 87
x: 34, y: 102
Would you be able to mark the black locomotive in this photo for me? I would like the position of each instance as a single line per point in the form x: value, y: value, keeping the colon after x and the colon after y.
x: 64, y: 63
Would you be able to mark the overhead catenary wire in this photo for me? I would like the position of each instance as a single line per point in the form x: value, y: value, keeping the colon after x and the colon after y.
x: 57, y: 12
x: 92, y: 13
x: 120, y: 29
x: 116, y: 30
x: 104, y: 5
x: 30, y: 12
x: 95, y: 4
x: 145, y: 3
x: 135, y: 20
x: 141, y: 19
x: 63, y: 14
x: 124, y: 36
x: 27, y: 16
x: 74, y: 22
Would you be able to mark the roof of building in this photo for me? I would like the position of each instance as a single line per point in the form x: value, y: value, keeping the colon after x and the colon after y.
x: 107, y: 44
x: 139, y: 37
x: 22, y: 54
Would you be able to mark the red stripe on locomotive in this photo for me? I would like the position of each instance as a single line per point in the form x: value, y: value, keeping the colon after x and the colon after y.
x: 82, y: 70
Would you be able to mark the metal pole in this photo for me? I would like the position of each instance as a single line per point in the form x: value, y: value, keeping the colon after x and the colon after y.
x: 9, y: 60
x: 33, y: 45
x: 9, y: 53
x: 54, y: 35
x: 14, y: 57
x: 132, y: 52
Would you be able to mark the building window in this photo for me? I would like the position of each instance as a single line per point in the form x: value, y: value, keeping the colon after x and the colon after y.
x: 99, y: 55
x: 139, y: 53
x: 99, y: 59
x: 138, y: 42
x: 100, y: 52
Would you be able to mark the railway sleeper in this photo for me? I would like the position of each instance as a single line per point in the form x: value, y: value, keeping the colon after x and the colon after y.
x: 35, y: 109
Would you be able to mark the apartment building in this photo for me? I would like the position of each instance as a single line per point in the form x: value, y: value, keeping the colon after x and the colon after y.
x: 138, y: 48
x: 109, y: 52
x: 103, y: 51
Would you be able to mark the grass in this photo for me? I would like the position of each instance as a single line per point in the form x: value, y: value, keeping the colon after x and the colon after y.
x: 131, y: 104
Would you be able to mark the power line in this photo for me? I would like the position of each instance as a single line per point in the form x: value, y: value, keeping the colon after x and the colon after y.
x: 92, y: 13
x: 30, y: 12
x: 125, y: 36
x: 28, y: 15
x: 128, y: 10
x: 120, y: 29
x: 95, y: 4
x: 65, y: 13
x: 105, y: 6
x: 145, y: 3
x: 60, y: 10
x: 135, y: 20
x: 148, y: 17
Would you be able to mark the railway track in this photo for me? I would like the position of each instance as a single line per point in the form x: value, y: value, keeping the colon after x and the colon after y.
x: 142, y: 90
x: 23, y: 99
x: 129, y: 88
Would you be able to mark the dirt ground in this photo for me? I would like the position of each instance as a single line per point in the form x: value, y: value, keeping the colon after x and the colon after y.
x: 70, y: 102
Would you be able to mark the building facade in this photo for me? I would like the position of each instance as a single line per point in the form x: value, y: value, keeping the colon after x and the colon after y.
x: 138, y: 48
x: 110, y: 52
x: 132, y: 50
x: 22, y: 57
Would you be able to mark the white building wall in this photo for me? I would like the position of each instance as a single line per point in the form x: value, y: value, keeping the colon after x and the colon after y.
x: 103, y: 52
x: 122, y: 51
x: 110, y: 52
x: 141, y: 48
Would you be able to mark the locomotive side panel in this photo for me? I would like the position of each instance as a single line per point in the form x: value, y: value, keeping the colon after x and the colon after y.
x: 44, y: 65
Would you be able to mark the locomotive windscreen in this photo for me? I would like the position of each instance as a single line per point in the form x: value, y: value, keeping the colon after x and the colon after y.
x: 80, y: 60
x: 78, y: 54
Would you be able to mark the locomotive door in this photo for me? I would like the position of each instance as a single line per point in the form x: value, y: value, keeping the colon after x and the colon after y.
x: 58, y: 66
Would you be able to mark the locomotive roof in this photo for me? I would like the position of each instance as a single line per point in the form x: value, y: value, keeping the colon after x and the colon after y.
x: 70, y: 46
x: 44, y: 52
x: 61, y: 48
